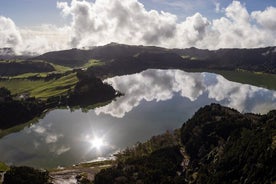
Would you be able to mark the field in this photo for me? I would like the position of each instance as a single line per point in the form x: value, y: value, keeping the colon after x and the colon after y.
x: 40, y: 88
x: 93, y: 62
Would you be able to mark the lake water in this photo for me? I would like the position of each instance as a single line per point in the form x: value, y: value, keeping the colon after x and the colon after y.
x: 154, y: 101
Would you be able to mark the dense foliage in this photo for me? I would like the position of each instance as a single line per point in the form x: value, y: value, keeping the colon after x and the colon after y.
x: 159, y: 167
x: 219, y: 145
x: 228, y: 147
x: 90, y: 90
x: 26, y: 175
x: 13, y: 112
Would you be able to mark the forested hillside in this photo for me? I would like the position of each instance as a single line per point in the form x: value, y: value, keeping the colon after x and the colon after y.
x: 218, y: 145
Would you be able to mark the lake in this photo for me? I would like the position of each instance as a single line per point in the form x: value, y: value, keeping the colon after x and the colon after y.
x: 154, y: 101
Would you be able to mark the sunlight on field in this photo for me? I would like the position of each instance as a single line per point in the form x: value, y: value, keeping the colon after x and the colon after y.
x: 40, y: 88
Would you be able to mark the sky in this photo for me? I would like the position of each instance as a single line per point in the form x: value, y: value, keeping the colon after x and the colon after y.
x: 44, y: 25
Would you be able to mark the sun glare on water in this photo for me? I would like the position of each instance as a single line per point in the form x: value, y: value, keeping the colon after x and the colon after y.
x: 97, y: 143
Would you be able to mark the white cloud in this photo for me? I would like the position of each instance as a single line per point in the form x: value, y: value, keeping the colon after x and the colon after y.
x: 44, y: 38
x: 192, y: 31
x: 35, y: 39
x: 9, y: 34
x: 237, y: 12
x: 127, y: 21
x: 237, y: 31
x: 124, y: 21
x: 266, y: 18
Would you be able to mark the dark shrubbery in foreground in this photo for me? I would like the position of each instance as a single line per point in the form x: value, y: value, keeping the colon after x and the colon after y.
x: 219, y: 145
x: 159, y: 167
x: 25, y: 175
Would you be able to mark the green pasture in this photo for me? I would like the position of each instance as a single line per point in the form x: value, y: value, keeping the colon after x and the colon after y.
x: 40, y: 88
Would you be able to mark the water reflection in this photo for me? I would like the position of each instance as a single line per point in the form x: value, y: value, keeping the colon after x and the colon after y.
x: 154, y: 101
x: 161, y: 85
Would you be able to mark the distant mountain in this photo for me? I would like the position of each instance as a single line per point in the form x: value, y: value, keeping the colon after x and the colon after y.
x: 78, y: 57
x: 258, y: 59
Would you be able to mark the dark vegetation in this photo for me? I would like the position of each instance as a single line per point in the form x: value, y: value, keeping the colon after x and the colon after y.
x: 90, y: 90
x: 227, y: 146
x: 218, y: 145
x: 11, y: 68
x: 14, y: 112
x: 26, y: 175
x: 71, y: 58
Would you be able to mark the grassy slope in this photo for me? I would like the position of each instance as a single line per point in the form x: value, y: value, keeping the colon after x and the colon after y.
x: 41, y: 89
x: 93, y: 62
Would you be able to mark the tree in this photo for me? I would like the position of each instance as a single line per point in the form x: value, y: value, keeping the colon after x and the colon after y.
x: 4, y: 92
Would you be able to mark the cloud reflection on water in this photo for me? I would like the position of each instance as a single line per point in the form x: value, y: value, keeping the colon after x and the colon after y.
x: 162, y: 85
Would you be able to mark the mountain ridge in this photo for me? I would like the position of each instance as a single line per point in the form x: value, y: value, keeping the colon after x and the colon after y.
x: 257, y: 59
x: 251, y: 59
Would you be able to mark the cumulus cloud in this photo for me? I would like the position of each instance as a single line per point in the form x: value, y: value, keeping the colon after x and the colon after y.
x: 192, y: 31
x: 237, y: 31
x: 117, y: 21
x: 128, y: 21
x: 33, y: 40
x: 266, y: 18
x: 44, y: 38
x: 9, y: 34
